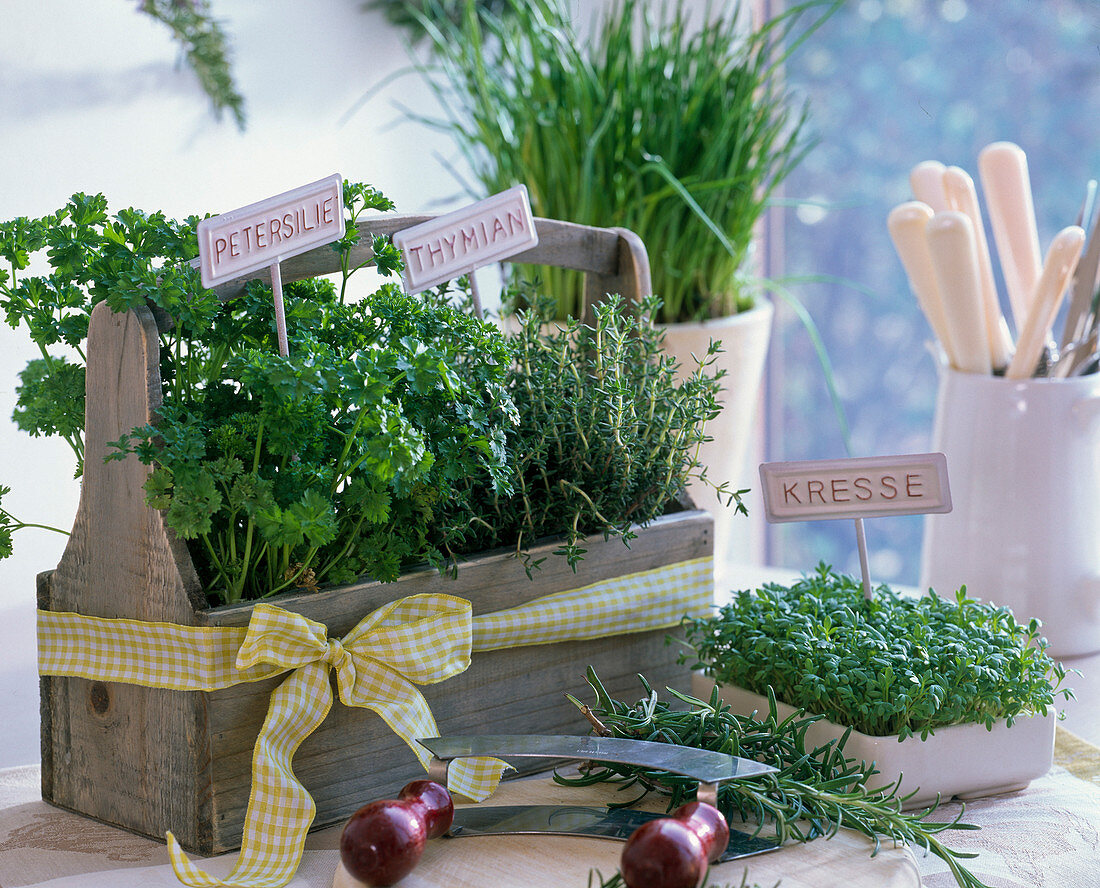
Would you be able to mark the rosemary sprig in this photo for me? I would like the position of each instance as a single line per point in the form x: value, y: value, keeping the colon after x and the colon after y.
x: 814, y: 792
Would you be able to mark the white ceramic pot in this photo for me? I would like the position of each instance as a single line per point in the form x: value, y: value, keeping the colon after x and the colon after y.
x: 744, y: 339
x: 1023, y: 462
x: 962, y: 760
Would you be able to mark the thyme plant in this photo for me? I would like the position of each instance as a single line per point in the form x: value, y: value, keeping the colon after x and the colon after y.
x: 889, y: 665
x: 814, y: 792
x: 607, y: 437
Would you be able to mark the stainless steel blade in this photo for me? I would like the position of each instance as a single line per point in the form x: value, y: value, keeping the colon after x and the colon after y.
x: 576, y: 820
x: 698, y: 764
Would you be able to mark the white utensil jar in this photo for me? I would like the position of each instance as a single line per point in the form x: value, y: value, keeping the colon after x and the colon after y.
x: 1023, y: 462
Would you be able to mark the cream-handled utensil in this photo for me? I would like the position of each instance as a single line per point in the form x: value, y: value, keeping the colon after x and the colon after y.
x: 1002, y: 168
x: 953, y: 248
x: 926, y: 182
x: 962, y: 196
x: 906, y: 224
x: 1058, y: 267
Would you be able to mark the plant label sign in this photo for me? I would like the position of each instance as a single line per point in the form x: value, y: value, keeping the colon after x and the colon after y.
x: 454, y: 244
x: 855, y: 488
x: 870, y: 487
x: 264, y: 233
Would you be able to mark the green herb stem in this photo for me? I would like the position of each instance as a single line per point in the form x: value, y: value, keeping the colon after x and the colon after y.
x: 813, y: 793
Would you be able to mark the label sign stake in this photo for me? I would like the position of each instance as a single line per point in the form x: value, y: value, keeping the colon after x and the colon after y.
x: 458, y: 243
x: 263, y: 234
x: 809, y: 490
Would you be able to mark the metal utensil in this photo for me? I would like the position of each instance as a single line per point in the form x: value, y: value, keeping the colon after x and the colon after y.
x: 1085, y: 280
x: 963, y: 197
x: 1002, y: 168
x: 709, y: 768
x: 1061, y: 261
x: 1088, y: 367
x: 574, y: 820
x: 1074, y: 355
x: 952, y: 246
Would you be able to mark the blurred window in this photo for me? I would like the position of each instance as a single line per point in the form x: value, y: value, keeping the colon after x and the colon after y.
x: 891, y: 83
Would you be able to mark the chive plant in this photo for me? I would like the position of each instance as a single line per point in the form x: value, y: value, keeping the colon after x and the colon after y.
x: 675, y: 131
x: 888, y: 665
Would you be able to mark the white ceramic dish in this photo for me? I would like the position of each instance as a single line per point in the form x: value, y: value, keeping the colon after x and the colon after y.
x: 967, y: 761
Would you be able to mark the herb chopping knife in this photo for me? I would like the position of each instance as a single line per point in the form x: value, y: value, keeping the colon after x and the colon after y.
x: 708, y: 767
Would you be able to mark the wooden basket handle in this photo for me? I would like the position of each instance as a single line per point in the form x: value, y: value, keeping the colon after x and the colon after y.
x: 121, y: 560
x: 614, y: 260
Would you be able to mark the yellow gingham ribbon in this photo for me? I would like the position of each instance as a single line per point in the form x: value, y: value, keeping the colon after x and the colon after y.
x: 639, y: 602
x: 421, y: 639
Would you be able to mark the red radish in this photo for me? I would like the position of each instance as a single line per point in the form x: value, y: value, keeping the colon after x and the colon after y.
x: 708, y: 824
x: 438, y: 808
x: 663, y: 853
x: 383, y: 841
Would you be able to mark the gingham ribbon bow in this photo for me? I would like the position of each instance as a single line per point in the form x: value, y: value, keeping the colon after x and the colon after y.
x: 422, y: 639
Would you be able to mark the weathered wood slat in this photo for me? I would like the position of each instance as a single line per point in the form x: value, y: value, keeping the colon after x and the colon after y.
x: 496, y: 580
x: 151, y: 760
x: 125, y: 754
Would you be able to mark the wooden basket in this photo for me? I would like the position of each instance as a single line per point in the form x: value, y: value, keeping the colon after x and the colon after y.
x: 151, y: 760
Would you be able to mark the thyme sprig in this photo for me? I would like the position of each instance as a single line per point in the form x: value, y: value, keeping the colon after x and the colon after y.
x: 813, y: 793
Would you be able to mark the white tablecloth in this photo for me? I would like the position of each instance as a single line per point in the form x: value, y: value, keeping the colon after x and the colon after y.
x: 1046, y: 835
